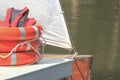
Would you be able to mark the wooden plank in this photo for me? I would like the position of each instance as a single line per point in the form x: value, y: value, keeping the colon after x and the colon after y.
x: 47, y: 69
x: 81, y: 68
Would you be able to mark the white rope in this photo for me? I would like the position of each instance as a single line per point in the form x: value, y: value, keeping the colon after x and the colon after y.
x: 74, y: 55
x: 22, y: 44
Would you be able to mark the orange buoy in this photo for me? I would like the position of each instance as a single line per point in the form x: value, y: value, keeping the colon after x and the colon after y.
x: 19, y: 45
x: 19, y: 58
x: 20, y: 33
x: 7, y: 46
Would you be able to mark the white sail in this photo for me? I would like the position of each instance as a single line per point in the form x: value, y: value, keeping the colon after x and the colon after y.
x: 48, y: 13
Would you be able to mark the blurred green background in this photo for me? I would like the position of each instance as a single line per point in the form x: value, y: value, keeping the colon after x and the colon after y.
x: 95, y: 29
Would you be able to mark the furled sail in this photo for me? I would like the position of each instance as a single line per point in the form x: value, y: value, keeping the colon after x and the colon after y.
x: 48, y: 13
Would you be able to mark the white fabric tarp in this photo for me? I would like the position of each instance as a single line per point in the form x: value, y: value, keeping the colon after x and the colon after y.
x: 48, y: 14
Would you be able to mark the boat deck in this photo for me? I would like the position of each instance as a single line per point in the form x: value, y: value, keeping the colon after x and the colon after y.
x: 47, y: 69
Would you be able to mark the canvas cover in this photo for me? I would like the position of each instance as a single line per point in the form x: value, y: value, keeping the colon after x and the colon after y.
x: 48, y: 14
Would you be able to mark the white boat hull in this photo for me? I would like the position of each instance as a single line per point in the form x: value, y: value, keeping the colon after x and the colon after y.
x: 47, y: 69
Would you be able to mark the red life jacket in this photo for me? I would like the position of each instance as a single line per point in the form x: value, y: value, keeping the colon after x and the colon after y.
x: 17, y: 18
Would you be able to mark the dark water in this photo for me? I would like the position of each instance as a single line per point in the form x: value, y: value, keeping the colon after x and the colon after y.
x: 95, y: 30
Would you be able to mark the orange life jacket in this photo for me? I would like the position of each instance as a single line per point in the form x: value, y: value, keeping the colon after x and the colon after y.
x: 8, y: 45
x: 20, y: 33
x: 24, y: 49
x: 19, y: 44
x: 19, y: 58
